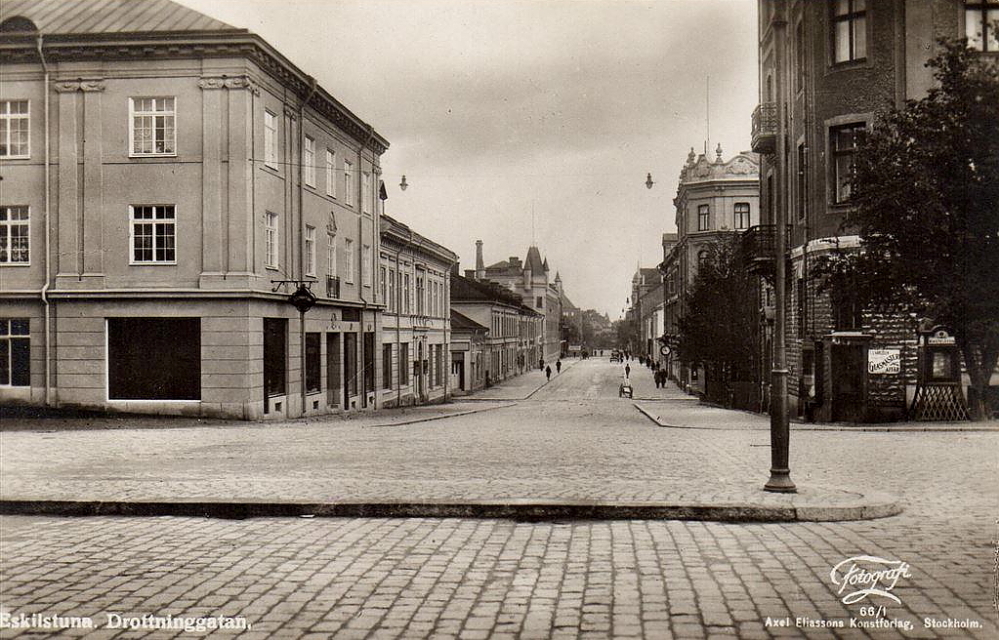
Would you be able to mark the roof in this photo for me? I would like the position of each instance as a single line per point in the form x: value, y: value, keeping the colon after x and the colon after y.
x: 649, y: 275
x: 111, y: 16
x: 466, y: 290
x: 392, y: 229
x: 460, y: 322
x: 533, y: 260
x: 567, y: 304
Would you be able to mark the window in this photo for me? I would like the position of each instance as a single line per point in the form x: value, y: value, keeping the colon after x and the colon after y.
x: 14, y: 129
x: 15, y: 352
x: 702, y: 259
x: 799, y: 49
x: 420, y: 294
x: 154, y: 233
x: 348, y: 183
x: 386, y: 366
x: 406, y: 296
x: 390, y: 294
x: 541, y: 302
x: 310, y: 250
x: 270, y: 140
x: 366, y: 266
x: 802, y: 182
x: 741, y: 215
x: 15, y: 236
x: 331, y: 255
x: 330, y: 173
x: 309, y: 161
x: 272, y: 252
x: 348, y: 245
x: 366, y: 195
x: 404, y: 363
x: 383, y: 283
x: 849, y: 30
x: 313, y: 362
x: 703, y: 217
x: 154, y: 358
x: 980, y: 18
x: 844, y: 143
x: 153, y: 130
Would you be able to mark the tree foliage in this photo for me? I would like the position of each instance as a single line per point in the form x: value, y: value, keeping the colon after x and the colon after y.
x: 720, y: 309
x: 926, y: 195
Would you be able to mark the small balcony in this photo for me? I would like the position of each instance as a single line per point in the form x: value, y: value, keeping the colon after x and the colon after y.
x: 759, y: 246
x: 333, y: 287
x: 765, y: 128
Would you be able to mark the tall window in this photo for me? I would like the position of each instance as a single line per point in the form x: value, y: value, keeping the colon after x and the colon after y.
x: 367, y: 195
x: 404, y: 363
x: 330, y: 173
x: 407, y: 295
x: 844, y: 142
x: 741, y: 215
x: 980, y: 18
x: 313, y: 362
x: 270, y: 140
x: 348, y: 183
x: 15, y: 352
x: 799, y: 50
x: 154, y: 234
x: 15, y: 235
x: 271, y: 236
x: 309, y: 161
x: 420, y: 294
x: 390, y: 294
x: 849, y: 30
x: 153, y: 126
x: 383, y: 283
x: 330, y: 255
x: 14, y: 129
x: 703, y: 217
x: 348, y: 246
x: 366, y: 266
x: 310, y: 251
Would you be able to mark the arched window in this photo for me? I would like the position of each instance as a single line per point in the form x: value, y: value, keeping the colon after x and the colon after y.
x: 702, y: 259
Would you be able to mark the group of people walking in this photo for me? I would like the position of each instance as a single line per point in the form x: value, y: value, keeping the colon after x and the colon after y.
x: 548, y: 368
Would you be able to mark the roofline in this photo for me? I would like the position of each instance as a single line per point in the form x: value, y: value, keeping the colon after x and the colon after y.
x: 59, y: 47
x: 399, y: 232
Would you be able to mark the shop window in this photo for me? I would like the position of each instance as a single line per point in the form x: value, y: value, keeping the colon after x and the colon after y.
x: 154, y: 358
x: 15, y: 352
x: 313, y: 362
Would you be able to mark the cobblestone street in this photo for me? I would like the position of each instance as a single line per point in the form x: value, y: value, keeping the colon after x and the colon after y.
x: 468, y: 578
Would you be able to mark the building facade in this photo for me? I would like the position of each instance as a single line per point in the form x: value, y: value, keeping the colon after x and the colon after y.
x: 826, y: 69
x: 414, y: 280
x: 174, y: 180
x: 512, y: 343
x: 529, y: 279
x: 715, y: 199
x: 468, y: 349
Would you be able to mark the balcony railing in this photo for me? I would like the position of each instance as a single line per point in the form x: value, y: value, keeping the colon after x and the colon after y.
x: 333, y: 287
x: 765, y: 128
x: 759, y: 246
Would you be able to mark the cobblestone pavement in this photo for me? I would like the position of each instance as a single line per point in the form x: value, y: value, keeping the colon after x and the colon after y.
x: 494, y: 578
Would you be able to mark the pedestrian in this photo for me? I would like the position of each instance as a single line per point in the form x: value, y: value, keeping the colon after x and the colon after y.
x: 558, y: 367
x: 541, y: 363
x: 548, y: 372
x: 627, y: 371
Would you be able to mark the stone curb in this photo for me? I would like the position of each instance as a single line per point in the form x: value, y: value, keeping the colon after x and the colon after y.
x: 520, y: 510
x: 510, y: 403
x: 795, y: 426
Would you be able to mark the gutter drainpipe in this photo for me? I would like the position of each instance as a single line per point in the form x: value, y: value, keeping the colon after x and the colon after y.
x: 48, y: 227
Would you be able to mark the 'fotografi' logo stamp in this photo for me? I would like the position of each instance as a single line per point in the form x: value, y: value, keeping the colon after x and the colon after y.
x: 863, y: 576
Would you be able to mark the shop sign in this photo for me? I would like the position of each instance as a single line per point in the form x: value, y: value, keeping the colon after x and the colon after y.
x: 884, y: 361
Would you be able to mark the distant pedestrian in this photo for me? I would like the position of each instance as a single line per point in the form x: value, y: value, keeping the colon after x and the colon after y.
x: 541, y: 363
x: 548, y: 372
x: 627, y: 371
x: 558, y: 367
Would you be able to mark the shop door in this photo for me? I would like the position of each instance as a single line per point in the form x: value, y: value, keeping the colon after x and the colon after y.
x: 848, y: 371
x: 275, y: 359
x: 332, y: 368
x: 349, y: 368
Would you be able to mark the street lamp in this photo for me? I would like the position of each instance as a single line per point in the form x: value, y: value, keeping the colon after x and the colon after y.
x: 302, y: 299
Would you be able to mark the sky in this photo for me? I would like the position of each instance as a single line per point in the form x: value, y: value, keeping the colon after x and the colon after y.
x: 531, y: 121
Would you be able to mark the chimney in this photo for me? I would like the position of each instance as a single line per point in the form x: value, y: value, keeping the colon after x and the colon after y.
x: 480, y: 265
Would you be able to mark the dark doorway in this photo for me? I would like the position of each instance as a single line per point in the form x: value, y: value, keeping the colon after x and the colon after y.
x: 332, y: 368
x: 154, y: 358
x: 275, y: 359
x: 369, y: 366
x: 349, y: 368
x: 848, y: 372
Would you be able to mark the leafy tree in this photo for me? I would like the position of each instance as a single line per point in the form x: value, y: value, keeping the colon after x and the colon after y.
x: 720, y: 309
x: 926, y: 190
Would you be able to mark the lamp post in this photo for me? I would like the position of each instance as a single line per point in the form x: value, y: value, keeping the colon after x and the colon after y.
x: 302, y: 299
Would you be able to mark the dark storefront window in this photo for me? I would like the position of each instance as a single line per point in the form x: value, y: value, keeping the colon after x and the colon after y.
x: 154, y: 358
x: 404, y: 364
x: 369, y: 362
x: 275, y: 356
x: 350, y: 362
x: 386, y: 366
x: 313, y: 362
x: 15, y: 352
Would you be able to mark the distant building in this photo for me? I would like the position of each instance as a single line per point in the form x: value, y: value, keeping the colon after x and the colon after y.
x: 514, y: 329
x: 168, y: 179
x: 468, y: 354
x: 414, y: 280
x: 529, y: 280
x: 715, y: 198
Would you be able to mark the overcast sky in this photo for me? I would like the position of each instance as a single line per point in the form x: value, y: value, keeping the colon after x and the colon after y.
x: 495, y: 108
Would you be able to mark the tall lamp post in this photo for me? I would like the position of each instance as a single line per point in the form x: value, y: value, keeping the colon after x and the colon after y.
x: 302, y: 299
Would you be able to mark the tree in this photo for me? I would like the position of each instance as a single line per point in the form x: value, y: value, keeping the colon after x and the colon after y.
x: 720, y: 309
x: 926, y: 196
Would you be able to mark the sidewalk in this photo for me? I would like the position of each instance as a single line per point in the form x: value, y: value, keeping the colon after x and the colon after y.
x: 519, y: 387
